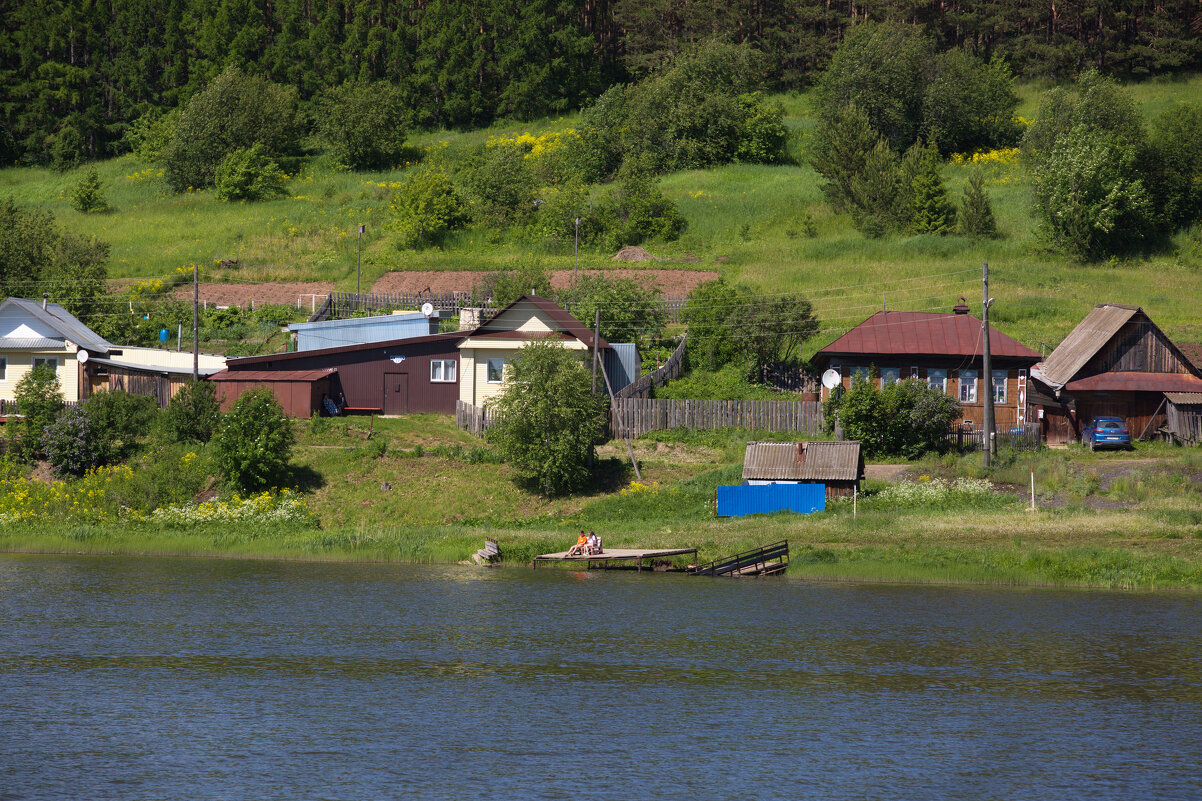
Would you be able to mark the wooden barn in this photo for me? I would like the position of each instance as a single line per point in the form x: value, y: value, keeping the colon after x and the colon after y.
x: 1116, y: 362
x: 838, y: 465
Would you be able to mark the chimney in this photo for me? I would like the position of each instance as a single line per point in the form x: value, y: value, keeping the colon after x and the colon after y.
x: 800, y: 456
x: 45, y: 297
x: 960, y: 308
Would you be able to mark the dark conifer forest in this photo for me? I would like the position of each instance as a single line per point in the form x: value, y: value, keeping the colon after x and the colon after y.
x: 75, y: 73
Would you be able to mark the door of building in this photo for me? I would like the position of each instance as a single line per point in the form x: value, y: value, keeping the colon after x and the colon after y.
x: 396, y: 393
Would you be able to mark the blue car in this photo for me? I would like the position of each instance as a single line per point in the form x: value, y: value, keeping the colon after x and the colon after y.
x: 1106, y: 432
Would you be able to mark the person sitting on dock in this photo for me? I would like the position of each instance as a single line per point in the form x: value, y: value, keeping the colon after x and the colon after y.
x: 579, y: 547
x: 594, y: 544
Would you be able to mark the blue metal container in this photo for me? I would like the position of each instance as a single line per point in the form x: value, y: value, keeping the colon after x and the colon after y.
x: 765, y: 498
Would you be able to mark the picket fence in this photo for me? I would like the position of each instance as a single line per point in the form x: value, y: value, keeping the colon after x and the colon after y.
x: 965, y: 437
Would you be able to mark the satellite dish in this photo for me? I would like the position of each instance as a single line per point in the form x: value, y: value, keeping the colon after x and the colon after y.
x: 428, y: 309
x: 82, y: 356
x: 831, y: 379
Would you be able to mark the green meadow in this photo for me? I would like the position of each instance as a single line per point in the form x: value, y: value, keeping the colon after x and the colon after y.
x: 767, y: 226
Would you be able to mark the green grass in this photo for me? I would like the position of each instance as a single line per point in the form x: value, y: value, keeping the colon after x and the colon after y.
x: 743, y: 220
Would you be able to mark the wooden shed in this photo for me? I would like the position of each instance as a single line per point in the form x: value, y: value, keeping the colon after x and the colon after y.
x: 298, y: 391
x: 1184, y: 413
x: 1116, y: 362
x: 838, y: 465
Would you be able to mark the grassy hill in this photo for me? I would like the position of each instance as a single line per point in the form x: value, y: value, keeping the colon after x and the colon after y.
x: 749, y: 220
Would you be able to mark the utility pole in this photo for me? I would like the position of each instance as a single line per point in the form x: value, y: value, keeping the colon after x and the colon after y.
x: 359, y: 266
x: 195, y: 323
x: 986, y: 366
x: 575, y: 253
x: 596, y: 338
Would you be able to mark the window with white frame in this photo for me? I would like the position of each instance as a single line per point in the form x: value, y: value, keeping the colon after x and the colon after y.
x: 442, y: 370
x: 859, y: 373
x: 51, y: 363
x: 496, y: 370
x: 937, y: 379
x: 890, y: 375
x: 999, y: 387
x: 968, y: 386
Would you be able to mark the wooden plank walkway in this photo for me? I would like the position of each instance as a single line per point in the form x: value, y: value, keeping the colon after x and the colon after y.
x: 615, y: 555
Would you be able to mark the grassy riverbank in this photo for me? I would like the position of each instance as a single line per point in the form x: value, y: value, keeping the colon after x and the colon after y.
x: 419, y: 491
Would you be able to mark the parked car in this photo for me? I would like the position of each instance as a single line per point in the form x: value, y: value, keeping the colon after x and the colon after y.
x: 1106, y: 432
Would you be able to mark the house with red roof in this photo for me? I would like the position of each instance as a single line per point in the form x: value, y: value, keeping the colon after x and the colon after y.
x: 942, y: 349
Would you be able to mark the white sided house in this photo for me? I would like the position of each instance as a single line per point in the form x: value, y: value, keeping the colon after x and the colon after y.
x: 33, y: 333
x: 485, y: 353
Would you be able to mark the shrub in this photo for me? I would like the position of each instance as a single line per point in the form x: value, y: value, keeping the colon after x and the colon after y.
x: 501, y: 185
x: 630, y: 310
x: 638, y: 211
x: 70, y: 443
x: 118, y: 419
x: 193, y: 415
x: 556, y: 219
x: 548, y: 420
x: 88, y: 193
x: 235, y: 111
x: 906, y: 418
x: 39, y: 400
x: 67, y: 148
x: 506, y: 286
x: 365, y: 124
x: 148, y: 135
x: 249, y: 174
x: 707, y: 313
x: 976, y: 212
x: 426, y: 208
x: 254, y: 442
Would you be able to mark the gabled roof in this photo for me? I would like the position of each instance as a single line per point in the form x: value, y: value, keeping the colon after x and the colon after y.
x: 803, y: 461
x: 557, y: 313
x: 895, y: 333
x: 63, y: 322
x: 1084, y: 341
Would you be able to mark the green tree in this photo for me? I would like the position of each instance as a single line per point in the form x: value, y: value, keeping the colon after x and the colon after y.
x: 1175, y: 165
x: 708, y: 314
x: 907, y: 418
x: 638, y: 211
x: 548, y: 420
x: 930, y: 211
x: 878, y: 193
x: 254, y: 442
x: 249, y: 174
x: 843, y: 140
x: 773, y: 330
x: 193, y: 415
x: 630, y: 310
x: 426, y: 208
x: 235, y: 111
x: 88, y: 193
x: 976, y: 217
x: 365, y: 123
x: 500, y: 182
x: 505, y: 286
x: 1091, y: 196
x: 39, y: 397
x: 969, y: 104
x: 118, y: 420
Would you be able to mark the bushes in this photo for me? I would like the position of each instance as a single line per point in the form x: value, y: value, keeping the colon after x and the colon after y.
x: 40, y: 400
x: 638, y: 211
x: 193, y: 414
x: 235, y: 111
x: 426, y: 208
x: 365, y: 124
x: 630, y: 310
x: 118, y: 421
x: 69, y: 443
x: 254, y: 441
x: 249, y: 174
x: 906, y: 418
x: 88, y: 195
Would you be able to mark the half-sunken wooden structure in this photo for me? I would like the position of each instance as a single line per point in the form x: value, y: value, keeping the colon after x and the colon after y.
x: 838, y: 465
x: 766, y: 561
x: 616, y: 557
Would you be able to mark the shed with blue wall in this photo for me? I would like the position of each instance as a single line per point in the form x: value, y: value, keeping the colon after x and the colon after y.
x: 363, y: 330
x: 768, y: 498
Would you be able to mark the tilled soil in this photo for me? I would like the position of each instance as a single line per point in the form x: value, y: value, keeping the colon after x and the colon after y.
x: 291, y: 293
x: 672, y: 283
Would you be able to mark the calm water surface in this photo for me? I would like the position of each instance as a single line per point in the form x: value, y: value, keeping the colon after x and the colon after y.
x: 172, y: 679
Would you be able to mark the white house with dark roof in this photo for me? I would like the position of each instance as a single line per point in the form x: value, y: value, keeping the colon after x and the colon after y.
x: 37, y: 332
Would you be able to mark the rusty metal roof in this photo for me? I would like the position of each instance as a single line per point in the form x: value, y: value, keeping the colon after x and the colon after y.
x: 803, y: 461
x: 1184, y: 398
x: 896, y: 333
x: 1090, y: 336
x: 268, y: 376
x: 1137, y: 382
x: 560, y: 315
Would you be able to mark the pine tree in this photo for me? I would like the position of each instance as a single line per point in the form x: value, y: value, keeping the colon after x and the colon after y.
x: 976, y: 212
x: 88, y: 194
x: 930, y: 211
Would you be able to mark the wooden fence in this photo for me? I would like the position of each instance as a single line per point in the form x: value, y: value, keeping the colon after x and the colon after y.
x: 636, y: 416
x: 8, y: 408
x: 475, y: 419
x: 670, y: 369
x: 967, y: 438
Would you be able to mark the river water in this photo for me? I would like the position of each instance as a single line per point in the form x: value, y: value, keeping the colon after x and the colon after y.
x: 171, y: 679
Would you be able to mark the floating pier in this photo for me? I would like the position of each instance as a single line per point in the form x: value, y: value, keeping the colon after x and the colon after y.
x: 616, y: 557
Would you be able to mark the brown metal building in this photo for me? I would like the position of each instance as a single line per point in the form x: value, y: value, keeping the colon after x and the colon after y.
x: 838, y: 465
x: 298, y: 391
x: 419, y: 374
x: 1118, y: 363
x: 942, y: 349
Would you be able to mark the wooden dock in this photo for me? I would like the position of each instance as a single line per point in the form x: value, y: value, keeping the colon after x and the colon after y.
x: 615, y: 557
